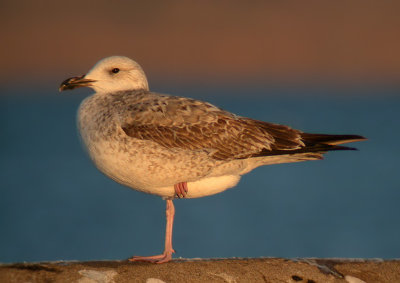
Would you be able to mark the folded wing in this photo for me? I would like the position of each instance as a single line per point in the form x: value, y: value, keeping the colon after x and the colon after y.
x: 176, y: 122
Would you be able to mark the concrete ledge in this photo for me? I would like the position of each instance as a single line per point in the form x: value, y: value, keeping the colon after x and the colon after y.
x: 207, y: 270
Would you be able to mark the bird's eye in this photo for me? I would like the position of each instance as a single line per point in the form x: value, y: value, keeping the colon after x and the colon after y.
x: 115, y: 70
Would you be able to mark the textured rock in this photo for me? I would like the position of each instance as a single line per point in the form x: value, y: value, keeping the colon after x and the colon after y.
x: 207, y: 270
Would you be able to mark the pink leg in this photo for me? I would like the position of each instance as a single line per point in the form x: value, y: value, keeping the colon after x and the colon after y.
x: 167, y: 254
x: 181, y: 189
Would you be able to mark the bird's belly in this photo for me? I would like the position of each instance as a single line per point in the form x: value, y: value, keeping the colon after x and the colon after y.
x: 156, y: 172
x: 203, y: 187
x: 161, y: 181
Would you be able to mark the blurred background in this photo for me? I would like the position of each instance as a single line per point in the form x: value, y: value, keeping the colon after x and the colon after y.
x: 319, y: 66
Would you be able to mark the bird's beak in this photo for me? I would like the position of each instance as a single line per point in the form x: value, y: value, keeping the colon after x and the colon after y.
x: 75, y: 82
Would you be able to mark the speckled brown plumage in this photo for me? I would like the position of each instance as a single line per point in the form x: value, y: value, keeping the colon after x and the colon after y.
x: 178, y: 147
x: 176, y: 122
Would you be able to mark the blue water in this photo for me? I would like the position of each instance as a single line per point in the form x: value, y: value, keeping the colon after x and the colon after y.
x: 55, y: 205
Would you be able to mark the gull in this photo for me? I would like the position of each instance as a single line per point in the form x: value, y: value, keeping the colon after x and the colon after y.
x: 177, y: 147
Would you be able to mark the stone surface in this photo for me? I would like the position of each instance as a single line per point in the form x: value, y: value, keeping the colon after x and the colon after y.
x: 207, y: 270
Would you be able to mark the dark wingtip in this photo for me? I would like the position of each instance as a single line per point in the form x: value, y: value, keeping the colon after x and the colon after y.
x: 340, y: 147
x: 354, y: 138
x: 330, y: 139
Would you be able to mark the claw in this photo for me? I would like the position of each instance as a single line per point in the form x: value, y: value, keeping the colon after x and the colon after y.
x: 162, y: 258
x: 181, y: 189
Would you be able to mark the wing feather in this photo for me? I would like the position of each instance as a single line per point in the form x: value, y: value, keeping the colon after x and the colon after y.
x: 177, y: 122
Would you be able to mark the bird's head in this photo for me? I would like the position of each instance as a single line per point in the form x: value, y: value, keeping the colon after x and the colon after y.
x: 111, y: 74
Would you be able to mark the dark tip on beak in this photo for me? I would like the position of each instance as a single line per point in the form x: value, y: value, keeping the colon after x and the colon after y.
x: 75, y: 82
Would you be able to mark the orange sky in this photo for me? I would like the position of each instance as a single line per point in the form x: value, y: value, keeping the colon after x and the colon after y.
x: 203, y: 41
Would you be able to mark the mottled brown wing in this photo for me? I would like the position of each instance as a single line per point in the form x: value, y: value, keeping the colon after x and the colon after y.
x: 176, y: 122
